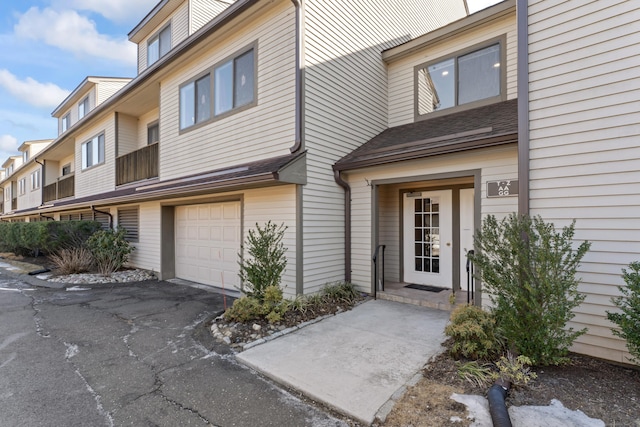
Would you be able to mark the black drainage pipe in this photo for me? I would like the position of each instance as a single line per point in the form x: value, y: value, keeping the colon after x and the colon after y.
x: 497, y: 406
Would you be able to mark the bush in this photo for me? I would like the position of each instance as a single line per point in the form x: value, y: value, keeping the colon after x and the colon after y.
x: 265, y: 260
x: 473, y: 333
x: 24, y: 238
x: 244, y: 309
x: 528, y: 271
x: 340, y: 292
x: 110, y: 250
x: 515, y: 370
x: 628, y: 320
x: 72, y: 260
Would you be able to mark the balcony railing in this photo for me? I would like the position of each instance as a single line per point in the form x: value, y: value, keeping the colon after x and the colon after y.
x: 137, y: 165
x: 63, y: 187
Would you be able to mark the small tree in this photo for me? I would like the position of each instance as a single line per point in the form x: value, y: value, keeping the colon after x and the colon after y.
x: 110, y: 250
x: 264, y: 260
x: 528, y: 270
x: 629, y: 302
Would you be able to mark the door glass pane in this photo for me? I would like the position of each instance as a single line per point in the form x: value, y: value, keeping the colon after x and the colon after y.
x: 479, y: 75
x: 427, y: 235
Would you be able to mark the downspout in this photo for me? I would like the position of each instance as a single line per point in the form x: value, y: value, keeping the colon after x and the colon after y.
x: 523, y: 106
x: 93, y: 208
x: 347, y: 223
x: 297, y: 145
x: 42, y: 181
x: 47, y: 217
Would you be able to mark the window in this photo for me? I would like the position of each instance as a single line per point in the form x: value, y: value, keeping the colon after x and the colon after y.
x: 25, y: 156
x: 159, y: 45
x: 93, y: 152
x: 83, y: 108
x: 66, y: 169
x: 195, y: 102
x: 35, y: 180
x: 233, y: 87
x: 10, y: 169
x: 153, y: 133
x: 129, y: 219
x: 463, y: 79
x: 7, y: 194
x: 22, y: 184
x: 66, y: 122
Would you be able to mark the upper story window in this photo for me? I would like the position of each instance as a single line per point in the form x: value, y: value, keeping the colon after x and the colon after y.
x: 7, y: 194
x: 468, y: 78
x: 10, y: 169
x: 66, y: 169
x: 66, y: 122
x: 22, y: 184
x: 233, y: 87
x: 153, y: 133
x: 159, y: 45
x: 25, y: 156
x: 35, y: 180
x: 83, y: 108
x: 93, y: 152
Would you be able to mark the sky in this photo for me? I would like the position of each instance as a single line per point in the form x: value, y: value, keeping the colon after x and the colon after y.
x: 48, y: 47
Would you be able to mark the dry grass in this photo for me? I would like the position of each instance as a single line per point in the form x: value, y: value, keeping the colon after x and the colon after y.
x: 71, y: 261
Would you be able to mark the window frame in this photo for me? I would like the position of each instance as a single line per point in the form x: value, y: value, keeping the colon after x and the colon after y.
x: 500, y: 41
x: 158, y: 37
x: 7, y: 194
x: 84, y: 164
x: 211, y: 73
x: 84, y: 103
x: 25, y: 156
x: 35, y: 180
x: 151, y: 125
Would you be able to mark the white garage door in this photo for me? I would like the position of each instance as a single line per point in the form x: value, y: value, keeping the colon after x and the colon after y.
x: 207, y: 243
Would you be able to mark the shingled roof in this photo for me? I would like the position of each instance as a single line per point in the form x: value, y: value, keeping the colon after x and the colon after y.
x: 481, y: 127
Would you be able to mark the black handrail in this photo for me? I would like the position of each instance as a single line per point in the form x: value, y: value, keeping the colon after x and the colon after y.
x: 470, y: 279
x: 375, y: 269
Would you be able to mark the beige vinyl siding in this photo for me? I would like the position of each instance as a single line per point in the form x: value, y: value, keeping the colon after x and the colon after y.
x: 180, y: 24
x: 276, y: 204
x: 497, y: 163
x: 30, y: 199
x: 346, y: 105
x: 148, y: 246
x: 143, y: 124
x: 52, y: 170
x: 584, y: 80
x: 127, y: 134
x: 203, y: 11
x: 142, y: 56
x: 234, y: 139
x: 402, y: 74
x: 99, y: 178
x: 105, y: 89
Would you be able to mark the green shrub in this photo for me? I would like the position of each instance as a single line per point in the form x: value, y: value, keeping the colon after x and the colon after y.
x: 25, y: 238
x: 244, y: 309
x: 340, y: 292
x: 528, y: 270
x: 264, y: 260
x: 110, y: 250
x: 474, y: 373
x: 473, y: 333
x: 515, y: 370
x: 628, y: 320
x: 72, y: 260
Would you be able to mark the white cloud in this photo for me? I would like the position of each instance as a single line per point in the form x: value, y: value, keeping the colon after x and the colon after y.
x: 9, y: 144
x: 73, y: 32
x: 123, y: 11
x: 31, y: 91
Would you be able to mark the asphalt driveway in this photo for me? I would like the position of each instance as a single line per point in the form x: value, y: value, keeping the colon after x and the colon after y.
x: 115, y: 355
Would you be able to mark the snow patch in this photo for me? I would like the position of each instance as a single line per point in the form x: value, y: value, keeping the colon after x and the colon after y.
x: 72, y: 350
x: 77, y: 288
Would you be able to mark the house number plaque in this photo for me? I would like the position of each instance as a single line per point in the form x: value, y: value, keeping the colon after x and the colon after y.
x: 504, y: 188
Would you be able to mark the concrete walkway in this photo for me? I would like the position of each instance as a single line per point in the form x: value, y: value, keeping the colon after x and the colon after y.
x: 355, y: 361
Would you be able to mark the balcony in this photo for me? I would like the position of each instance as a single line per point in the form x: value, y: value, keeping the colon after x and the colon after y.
x: 137, y: 165
x: 62, y: 188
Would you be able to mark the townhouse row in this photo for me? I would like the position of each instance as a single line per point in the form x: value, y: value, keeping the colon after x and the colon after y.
x: 362, y: 126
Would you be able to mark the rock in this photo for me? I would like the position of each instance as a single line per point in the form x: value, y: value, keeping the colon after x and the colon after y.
x: 256, y: 327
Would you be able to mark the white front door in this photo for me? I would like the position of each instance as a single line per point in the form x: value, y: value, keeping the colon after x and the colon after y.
x: 428, y: 238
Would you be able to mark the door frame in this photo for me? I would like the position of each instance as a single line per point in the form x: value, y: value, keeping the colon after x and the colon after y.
x: 476, y: 176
